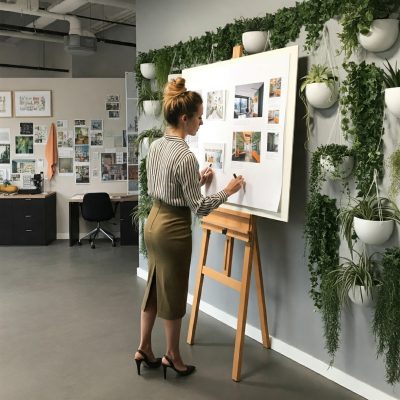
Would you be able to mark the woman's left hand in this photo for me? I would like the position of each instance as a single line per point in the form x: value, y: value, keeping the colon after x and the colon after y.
x: 206, y: 176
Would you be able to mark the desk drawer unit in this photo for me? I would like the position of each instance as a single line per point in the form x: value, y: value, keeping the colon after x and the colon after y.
x: 33, y: 220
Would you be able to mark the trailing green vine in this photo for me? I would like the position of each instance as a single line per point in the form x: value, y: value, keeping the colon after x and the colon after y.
x: 362, y: 107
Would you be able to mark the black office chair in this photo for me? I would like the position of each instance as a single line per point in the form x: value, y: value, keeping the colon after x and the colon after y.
x: 97, y: 207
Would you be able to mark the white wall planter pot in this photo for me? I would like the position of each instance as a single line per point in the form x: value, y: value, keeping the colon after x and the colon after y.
x: 373, y: 232
x: 152, y: 107
x: 148, y: 70
x: 382, y: 36
x: 320, y: 95
x: 392, y: 100
x: 343, y: 170
x: 255, y: 41
x: 358, y: 295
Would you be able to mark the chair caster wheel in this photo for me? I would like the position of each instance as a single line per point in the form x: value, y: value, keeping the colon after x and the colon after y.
x: 92, y: 246
x: 79, y: 243
x: 114, y: 244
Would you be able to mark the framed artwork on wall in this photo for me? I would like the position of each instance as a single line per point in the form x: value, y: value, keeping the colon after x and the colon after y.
x: 5, y: 105
x: 32, y: 103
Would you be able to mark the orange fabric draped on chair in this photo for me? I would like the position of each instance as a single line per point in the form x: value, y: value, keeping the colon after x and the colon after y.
x: 51, y: 152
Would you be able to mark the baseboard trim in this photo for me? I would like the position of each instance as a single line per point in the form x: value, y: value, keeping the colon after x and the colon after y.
x: 334, y: 374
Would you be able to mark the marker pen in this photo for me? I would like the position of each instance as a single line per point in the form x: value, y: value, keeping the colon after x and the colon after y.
x: 234, y: 175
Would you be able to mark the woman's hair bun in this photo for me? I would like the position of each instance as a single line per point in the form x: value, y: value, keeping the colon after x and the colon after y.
x: 174, y: 88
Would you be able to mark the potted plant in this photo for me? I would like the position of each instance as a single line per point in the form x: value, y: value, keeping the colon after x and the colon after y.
x: 370, y: 218
x: 320, y: 86
x: 387, y: 314
x: 336, y: 161
x: 357, y: 281
x: 149, y: 101
x: 392, y: 88
x: 142, y: 210
x: 254, y: 38
x: 367, y: 23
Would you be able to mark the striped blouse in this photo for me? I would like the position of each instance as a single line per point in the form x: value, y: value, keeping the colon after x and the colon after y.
x: 173, y: 176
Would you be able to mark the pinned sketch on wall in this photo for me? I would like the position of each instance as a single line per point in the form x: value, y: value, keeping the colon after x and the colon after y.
x: 113, y: 166
x: 65, y: 138
x: 65, y: 166
x: 5, y: 104
x: 215, y: 105
x: 82, y: 174
x: 246, y: 146
x: 32, y: 103
x: 26, y: 128
x: 214, y: 155
x: 40, y: 133
x: 24, y: 145
x: 249, y: 100
x: 258, y: 95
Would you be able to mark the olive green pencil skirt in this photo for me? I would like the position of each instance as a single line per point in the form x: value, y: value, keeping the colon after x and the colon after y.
x: 168, y: 238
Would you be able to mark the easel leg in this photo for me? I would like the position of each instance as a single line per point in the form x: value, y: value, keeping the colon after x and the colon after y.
x: 198, y: 287
x: 262, y: 309
x: 242, y: 315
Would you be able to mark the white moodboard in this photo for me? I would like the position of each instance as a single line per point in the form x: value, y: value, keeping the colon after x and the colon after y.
x: 253, y: 138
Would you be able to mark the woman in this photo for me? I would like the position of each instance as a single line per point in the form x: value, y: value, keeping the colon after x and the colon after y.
x: 174, y: 184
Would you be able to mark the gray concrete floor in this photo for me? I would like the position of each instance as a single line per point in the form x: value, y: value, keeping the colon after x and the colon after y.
x: 69, y: 327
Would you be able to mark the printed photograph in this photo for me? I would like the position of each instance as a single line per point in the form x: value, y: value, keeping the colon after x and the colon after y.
x: 23, y: 144
x: 273, y: 142
x: 133, y: 151
x: 246, y: 146
x: 112, y: 98
x: 65, y: 165
x: 112, y: 106
x: 62, y: 123
x: 113, y: 114
x: 113, y: 168
x: 81, y: 135
x: 79, y: 122
x: 249, y: 101
x: 96, y: 124
x: 26, y: 128
x: 23, y: 166
x: 275, y: 87
x: 96, y: 138
x: 82, y: 174
x: 216, y: 105
x: 273, y: 116
x: 4, y: 154
x: 82, y: 153
x: 133, y: 177
x: 214, y: 155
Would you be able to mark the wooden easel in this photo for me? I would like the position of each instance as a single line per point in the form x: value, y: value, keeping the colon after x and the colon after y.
x: 241, y: 226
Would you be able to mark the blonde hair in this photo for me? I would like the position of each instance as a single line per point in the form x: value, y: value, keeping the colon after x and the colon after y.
x: 179, y: 101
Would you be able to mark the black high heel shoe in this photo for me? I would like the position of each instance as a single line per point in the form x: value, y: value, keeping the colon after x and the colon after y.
x: 189, y: 368
x: 150, y: 364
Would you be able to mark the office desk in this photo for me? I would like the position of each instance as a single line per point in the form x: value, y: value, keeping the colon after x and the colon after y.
x: 128, y: 232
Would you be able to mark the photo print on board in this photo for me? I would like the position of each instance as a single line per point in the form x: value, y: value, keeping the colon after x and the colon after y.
x: 216, y: 105
x: 214, y: 155
x: 65, y: 138
x: 275, y: 87
x: 65, y: 166
x: 272, y: 142
x: 23, y: 166
x: 81, y: 135
x: 5, y: 153
x: 246, y: 146
x: 82, y: 153
x: 82, y: 174
x: 273, y: 116
x: 249, y: 100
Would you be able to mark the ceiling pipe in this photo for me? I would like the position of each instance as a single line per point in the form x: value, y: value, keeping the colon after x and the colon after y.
x: 30, y: 36
x: 74, y: 23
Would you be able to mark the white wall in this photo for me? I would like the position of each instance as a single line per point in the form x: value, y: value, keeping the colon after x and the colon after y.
x: 292, y: 320
x: 73, y: 99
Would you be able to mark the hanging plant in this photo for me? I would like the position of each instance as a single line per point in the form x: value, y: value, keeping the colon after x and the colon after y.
x: 394, y: 166
x: 145, y: 202
x: 387, y: 315
x: 322, y: 240
x: 361, y: 92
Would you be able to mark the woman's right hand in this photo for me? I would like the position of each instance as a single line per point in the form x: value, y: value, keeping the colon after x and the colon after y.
x: 234, y: 185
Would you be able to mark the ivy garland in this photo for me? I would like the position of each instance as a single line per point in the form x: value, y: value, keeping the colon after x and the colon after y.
x: 362, y: 108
